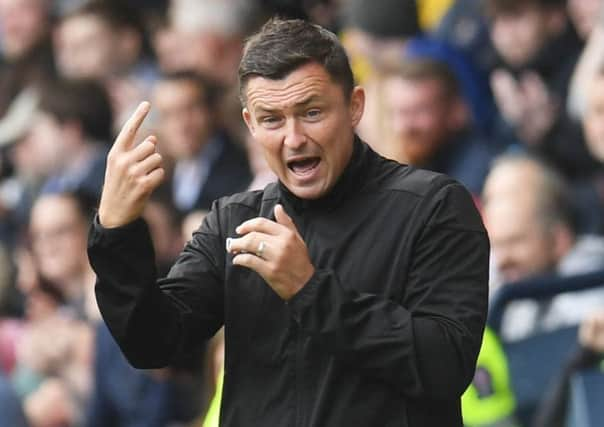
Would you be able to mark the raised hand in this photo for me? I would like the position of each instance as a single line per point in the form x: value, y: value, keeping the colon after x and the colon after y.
x: 591, y: 332
x: 275, y: 250
x: 132, y: 173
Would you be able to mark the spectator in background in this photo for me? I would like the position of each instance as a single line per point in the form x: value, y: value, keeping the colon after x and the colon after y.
x: 430, y: 123
x: 52, y: 372
x: 10, y: 406
x: 374, y: 33
x: 529, y: 216
x: 465, y: 27
x: 25, y: 50
x: 207, y: 164
x: 73, y: 130
x: 64, y: 149
x: 104, y: 40
x: 58, y: 229
x: 206, y: 36
x: 537, y: 48
x: 589, y: 191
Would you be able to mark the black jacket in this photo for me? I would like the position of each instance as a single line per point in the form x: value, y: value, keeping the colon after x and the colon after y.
x: 386, y: 332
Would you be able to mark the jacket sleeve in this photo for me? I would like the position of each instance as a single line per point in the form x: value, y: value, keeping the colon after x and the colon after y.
x: 156, y: 322
x: 425, y: 345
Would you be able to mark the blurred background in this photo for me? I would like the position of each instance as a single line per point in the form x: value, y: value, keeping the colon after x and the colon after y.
x: 506, y: 96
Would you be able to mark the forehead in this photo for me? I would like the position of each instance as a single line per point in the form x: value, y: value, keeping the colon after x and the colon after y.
x: 308, y: 81
x: 83, y: 24
x: 510, y: 215
x: 170, y: 89
x: 51, y: 209
x: 397, y: 86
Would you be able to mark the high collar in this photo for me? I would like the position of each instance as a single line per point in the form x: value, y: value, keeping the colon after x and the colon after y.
x: 349, y: 181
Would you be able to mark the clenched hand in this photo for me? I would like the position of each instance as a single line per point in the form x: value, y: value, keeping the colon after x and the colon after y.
x: 133, y: 172
x: 275, y: 250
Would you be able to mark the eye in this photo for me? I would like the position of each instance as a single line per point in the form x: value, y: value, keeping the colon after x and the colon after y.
x: 270, y: 121
x: 313, y: 113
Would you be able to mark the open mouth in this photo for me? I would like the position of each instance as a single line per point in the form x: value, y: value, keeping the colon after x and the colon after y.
x: 304, y: 166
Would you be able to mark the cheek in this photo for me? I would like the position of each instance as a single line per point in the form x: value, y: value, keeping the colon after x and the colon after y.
x: 269, y: 148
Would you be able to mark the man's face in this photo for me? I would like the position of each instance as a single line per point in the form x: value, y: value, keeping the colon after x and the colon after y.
x: 22, y: 24
x: 85, y: 47
x: 518, y: 36
x: 184, y: 119
x: 58, y: 234
x: 419, y: 116
x: 46, y: 144
x: 593, y: 122
x: 305, y: 125
x: 521, y: 245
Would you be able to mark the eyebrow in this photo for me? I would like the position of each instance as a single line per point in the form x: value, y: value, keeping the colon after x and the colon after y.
x: 309, y: 100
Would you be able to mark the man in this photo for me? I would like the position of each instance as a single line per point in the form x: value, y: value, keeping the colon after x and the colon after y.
x: 206, y: 36
x: 353, y: 291
x: 537, y: 49
x: 532, y: 233
x: 207, y: 163
x: 104, y: 40
x: 430, y: 123
x: 70, y: 136
x: 25, y: 50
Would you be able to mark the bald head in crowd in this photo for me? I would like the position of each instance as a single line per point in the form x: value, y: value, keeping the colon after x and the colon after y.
x: 528, y: 214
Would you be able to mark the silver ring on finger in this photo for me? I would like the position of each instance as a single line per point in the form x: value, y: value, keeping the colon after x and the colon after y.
x: 260, y: 250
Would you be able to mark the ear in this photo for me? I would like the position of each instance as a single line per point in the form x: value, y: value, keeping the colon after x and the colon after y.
x: 459, y: 115
x: 357, y: 105
x: 563, y: 240
x: 556, y: 20
x: 249, y: 121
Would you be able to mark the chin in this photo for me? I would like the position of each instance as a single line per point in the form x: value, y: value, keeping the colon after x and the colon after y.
x: 306, y: 192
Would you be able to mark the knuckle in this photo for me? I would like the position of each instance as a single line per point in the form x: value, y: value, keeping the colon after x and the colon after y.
x: 121, y: 163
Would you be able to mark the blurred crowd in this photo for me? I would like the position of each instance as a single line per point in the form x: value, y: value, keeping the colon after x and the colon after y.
x: 506, y: 96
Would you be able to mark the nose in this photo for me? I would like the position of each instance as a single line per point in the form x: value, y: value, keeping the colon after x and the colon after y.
x: 294, y: 134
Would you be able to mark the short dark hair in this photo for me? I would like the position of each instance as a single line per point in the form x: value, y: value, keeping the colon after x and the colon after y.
x: 281, y: 46
x: 115, y: 14
x: 421, y: 69
x: 497, y: 7
x: 209, y: 90
x: 83, y: 101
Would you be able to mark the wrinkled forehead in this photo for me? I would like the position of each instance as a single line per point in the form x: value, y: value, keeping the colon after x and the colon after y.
x: 304, y: 84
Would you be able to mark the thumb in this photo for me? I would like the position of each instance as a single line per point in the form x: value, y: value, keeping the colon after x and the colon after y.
x: 283, y: 218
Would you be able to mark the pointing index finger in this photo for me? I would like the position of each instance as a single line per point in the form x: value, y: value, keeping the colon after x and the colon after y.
x: 126, y: 136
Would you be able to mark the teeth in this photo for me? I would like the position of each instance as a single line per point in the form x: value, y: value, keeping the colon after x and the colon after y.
x: 304, y: 165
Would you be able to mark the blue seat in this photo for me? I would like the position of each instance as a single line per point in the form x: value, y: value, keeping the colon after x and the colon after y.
x: 535, y: 362
x: 586, y: 407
